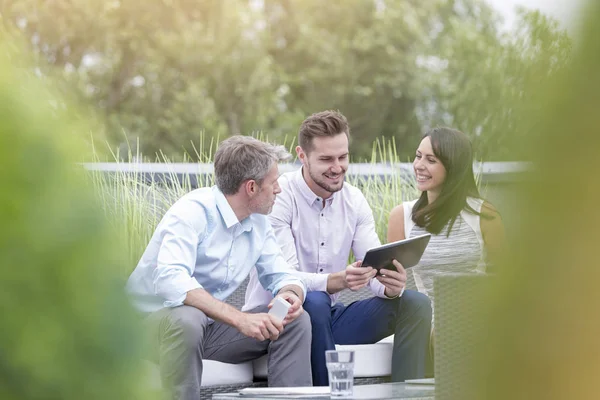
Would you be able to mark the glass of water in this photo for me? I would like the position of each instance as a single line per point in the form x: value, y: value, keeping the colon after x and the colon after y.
x: 340, y: 365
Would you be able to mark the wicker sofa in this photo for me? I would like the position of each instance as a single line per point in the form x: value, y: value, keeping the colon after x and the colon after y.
x: 460, y: 330
x: 372, y: 361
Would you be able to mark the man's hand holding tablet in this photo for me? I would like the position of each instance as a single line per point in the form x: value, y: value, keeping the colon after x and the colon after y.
x: 394, y: 280
x: 407, y: 252
x: 390, y: 261
x: 357, y: 275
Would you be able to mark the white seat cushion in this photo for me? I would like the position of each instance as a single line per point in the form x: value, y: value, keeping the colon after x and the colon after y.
x: 370, y: 360
x: 213, y: 373
x: 218, y: 373
x: 389, y: 339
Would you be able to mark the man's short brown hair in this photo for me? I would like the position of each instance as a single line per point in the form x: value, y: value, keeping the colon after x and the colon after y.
x: 324, y: 123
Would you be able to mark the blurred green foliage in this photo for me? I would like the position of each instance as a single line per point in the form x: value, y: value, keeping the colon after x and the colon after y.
x: 543, y: 327
x: 67, y: 330
x: 166, y: 70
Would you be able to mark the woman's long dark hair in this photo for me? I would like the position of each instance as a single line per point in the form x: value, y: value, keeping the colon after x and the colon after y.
x: 454, y: 151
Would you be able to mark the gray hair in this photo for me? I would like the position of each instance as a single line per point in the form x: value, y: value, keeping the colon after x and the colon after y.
x: 242, y: 158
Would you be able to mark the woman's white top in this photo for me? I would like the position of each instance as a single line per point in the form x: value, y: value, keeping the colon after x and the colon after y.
x: 461, y: 252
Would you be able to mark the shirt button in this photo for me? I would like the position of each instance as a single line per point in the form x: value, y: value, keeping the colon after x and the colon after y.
x: 322, y: 215
x: 321, y: 270
x: 322, y: 243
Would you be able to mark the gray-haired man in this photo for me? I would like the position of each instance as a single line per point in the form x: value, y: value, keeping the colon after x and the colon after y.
x: 201, y: 251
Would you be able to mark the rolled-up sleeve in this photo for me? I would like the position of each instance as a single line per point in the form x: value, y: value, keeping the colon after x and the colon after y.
x: 272, y: 269
x: 173, y: 276
x: 314, y: 282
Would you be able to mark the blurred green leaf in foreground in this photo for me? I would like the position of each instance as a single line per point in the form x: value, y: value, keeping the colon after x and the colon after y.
x: 543, y: 330
x: 67, y: 330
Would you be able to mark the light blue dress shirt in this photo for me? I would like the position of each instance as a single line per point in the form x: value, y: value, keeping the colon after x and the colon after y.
x: 200, y: 243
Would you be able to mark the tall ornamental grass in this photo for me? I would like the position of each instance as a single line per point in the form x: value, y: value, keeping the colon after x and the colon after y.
x: 135, y: 205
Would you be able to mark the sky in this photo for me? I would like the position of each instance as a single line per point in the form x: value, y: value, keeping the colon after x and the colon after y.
x: 565, y: 11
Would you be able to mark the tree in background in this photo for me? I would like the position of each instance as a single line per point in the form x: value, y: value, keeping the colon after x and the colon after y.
x: 482, y: 78
x: 356, y: 56
x: 165, y: 71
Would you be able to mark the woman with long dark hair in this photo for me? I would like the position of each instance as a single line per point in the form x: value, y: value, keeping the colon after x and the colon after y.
x: 466, y: 231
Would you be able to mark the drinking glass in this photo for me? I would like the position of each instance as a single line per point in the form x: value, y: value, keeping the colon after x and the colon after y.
x: 340, y: 365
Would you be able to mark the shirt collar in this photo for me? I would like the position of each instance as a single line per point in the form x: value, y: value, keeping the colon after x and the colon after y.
x: 306, y: 191
x: 227, y: 212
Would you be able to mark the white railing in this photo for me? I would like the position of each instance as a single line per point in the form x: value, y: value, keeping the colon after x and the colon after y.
x: 488, y: 171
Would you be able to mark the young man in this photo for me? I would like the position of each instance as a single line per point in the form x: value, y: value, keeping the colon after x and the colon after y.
x: 317, y: 220
x: 202, y: 250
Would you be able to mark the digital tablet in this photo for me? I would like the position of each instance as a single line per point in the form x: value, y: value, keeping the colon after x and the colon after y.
x: 407, y: 252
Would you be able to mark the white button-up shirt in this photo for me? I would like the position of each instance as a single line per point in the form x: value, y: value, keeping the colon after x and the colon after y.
x: 200, y: 243
x: 316, y: 240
